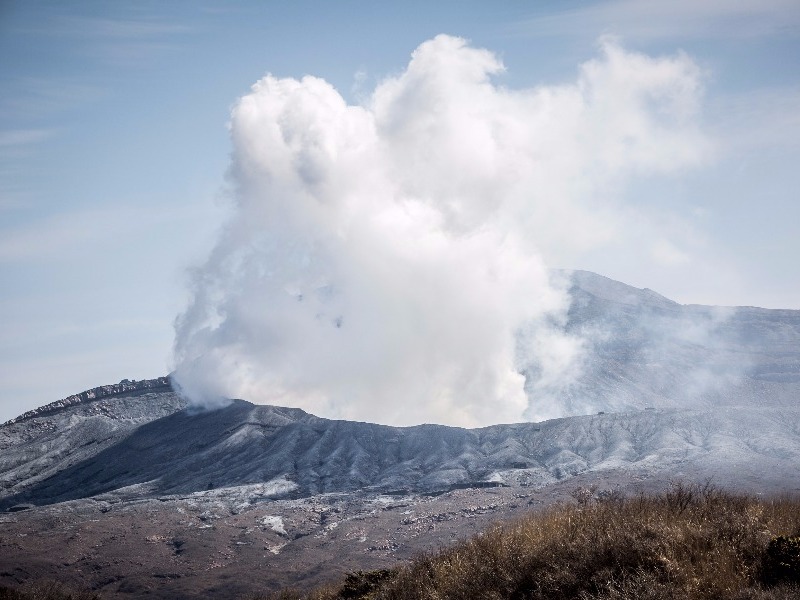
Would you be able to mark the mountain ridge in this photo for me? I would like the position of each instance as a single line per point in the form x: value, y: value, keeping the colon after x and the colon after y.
x: 126, y: 386
x: 244, y: 444
x: 653, y: 361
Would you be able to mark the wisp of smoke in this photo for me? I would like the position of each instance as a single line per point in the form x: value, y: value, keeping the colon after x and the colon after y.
x: 388, y: 261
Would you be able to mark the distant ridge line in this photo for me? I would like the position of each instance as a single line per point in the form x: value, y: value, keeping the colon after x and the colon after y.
x: 104, y: 391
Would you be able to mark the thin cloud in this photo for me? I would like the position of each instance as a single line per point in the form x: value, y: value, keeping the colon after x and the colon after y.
x: 117, y: 28
x: 14, y: 138
x: 674, y: 19
x: 120, y: 41
x: 63, y: 236
x: 57, y: 236
x: 756, y: 120
x: 37, y: 97
x: 48, y: 329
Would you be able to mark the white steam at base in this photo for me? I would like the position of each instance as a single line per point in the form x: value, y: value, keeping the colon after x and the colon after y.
x: 387, y: 261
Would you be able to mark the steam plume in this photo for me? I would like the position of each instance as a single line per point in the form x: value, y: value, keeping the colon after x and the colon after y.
x: 388, y: 261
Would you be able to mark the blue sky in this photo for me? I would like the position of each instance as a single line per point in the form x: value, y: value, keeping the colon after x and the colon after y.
x: 114, y: 151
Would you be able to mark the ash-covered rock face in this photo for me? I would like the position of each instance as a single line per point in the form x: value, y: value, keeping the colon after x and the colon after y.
x: 644, y: 350
x: 126, y: 386
x: 43, y: 442
x: 293, y: 454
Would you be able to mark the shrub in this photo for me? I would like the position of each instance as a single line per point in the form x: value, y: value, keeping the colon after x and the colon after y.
x: 361, y: 583
x: 782, y: 560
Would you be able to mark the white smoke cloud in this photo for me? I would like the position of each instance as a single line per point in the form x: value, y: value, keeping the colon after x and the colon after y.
x: 388, y: 261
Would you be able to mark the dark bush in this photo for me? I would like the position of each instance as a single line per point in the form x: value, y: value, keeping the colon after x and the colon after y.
x: 782, y: 560
x: 361, y: 583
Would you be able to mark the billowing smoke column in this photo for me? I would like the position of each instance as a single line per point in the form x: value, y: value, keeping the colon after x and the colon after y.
x: 386, y: 261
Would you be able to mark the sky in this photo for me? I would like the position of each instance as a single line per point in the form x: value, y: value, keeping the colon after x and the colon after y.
x: 121, y: 169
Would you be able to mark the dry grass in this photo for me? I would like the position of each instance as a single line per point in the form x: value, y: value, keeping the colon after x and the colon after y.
x: 694, y: 542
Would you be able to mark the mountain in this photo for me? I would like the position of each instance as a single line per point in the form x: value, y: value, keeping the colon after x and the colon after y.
x: 130, y: 489
x: 645, y: 350
x: 301, y: 455
x: 681, y: 385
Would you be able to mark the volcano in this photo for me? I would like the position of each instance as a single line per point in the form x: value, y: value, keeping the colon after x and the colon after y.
x: 130, y: 489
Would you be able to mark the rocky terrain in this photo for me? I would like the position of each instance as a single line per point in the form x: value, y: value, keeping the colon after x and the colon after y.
x: 235, y: 541
x: 127, y: 490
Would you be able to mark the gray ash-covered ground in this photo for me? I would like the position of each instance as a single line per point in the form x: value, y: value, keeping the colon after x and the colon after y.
x: 233, y: 542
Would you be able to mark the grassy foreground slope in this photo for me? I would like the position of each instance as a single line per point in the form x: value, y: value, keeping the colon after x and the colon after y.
x: 692, y: 542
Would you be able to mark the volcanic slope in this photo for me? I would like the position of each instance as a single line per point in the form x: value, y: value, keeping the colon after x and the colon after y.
x: 288, y: 452
x: 644, y: 350
x: 693, y: 388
